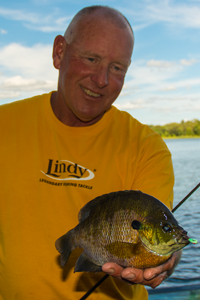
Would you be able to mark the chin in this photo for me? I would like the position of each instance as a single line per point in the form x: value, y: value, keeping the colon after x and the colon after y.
x: 89, y: 117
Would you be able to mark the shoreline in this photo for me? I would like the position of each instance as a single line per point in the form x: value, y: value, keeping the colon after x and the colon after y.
x: 181, y: 137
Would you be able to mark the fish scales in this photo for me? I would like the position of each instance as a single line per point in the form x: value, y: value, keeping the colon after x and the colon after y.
x: 129, y: 228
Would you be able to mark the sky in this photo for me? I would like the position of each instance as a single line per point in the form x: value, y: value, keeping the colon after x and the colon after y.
x: 162, y: 84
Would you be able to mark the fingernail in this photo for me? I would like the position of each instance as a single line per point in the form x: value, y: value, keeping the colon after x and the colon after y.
x: 110, y: 271
x: 153, y: 276
x: 130, y: 276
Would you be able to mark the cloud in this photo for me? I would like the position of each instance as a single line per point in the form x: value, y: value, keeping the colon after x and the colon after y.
x: 185, y: 14
x: 184, y: 84
x: 28, y: 62
x: 22, y: 84
x: 160, y: 63
x: 155, y: 76
x: 2, y: 31
x: 130, y: 105
x: 19, y: 15
x: 59, y: 24
x: 151, y: 75
x: 188, y: 62
x: 166, y: 89
x: 170, y: 87
x: 162, y: 108
x: 8, y: 95
x: 45, y: 23
x: 26, y: 71
x: 173, y: 13
x: 165, y: 64
x: 178, y: 103
x: 144, y: 13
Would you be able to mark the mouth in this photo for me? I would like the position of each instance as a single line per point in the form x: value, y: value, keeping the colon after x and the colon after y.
x: 183, y: 239
x: 90, y: 93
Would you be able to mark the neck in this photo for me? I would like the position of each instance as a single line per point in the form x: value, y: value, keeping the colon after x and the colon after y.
x: 67, y: 117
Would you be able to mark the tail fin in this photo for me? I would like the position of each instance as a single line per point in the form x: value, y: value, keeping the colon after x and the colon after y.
x: 65, y: 247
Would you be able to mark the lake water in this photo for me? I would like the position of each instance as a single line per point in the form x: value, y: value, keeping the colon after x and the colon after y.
x: 186, y: 161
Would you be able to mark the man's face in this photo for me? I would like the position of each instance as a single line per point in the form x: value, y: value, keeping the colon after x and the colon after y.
x: 92, y: 71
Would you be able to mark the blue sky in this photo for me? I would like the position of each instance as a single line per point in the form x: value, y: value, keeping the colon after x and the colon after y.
x: 163, y: 82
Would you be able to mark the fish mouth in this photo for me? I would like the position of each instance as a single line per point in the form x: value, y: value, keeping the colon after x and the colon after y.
x: 91, y: 93
x: 182, y: 238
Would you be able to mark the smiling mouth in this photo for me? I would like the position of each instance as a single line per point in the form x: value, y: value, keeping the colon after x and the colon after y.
x: 90, y: 93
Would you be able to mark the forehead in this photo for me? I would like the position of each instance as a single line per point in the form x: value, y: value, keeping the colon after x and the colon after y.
x: 99, y: 35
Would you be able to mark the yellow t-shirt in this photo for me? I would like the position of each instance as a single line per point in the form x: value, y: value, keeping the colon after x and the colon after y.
x: 48, y: 171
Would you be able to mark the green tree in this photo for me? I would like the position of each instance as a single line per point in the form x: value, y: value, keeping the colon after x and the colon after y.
x: 190, y: 128
x: 189, y: 131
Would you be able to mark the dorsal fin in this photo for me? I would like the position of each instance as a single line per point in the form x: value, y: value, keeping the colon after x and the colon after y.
x: 88, y: 207
x: 106, y: 198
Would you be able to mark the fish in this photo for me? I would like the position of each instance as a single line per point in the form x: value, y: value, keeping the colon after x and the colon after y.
x: 129, y: 227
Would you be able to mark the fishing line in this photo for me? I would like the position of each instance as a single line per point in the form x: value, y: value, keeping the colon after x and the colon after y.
x: 173, y: 210
x: 94, y: 287
x: 186, y: 197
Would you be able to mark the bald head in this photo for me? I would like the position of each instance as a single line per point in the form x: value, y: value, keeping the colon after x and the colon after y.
x: 95, y: 12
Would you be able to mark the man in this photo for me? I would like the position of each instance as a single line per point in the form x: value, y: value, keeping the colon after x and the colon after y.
x: 62, y: 149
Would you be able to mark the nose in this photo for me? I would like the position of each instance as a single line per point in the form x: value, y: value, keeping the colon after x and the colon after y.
x: 100, y: 77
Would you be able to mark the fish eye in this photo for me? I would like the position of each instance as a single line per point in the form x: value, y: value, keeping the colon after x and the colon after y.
x: 167, y: 227
x: 136, y: 224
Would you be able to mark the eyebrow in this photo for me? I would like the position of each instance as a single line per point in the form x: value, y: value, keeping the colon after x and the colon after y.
x: 90, y: 53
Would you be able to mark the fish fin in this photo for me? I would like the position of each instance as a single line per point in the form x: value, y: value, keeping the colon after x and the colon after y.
x: 87, y: 208
x: 104, y: 200
x: 64, y: 246
x: 122, y: 250
x: 84, y: 264
x: 94, y: 204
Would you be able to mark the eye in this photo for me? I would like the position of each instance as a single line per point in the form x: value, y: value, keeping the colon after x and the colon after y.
x: 117, y: 68
x: 167, y: 227
x: 91, y: 59
x: 136, y: 224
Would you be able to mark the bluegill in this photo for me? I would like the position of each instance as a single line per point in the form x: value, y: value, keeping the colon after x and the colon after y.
x: 129, y: 228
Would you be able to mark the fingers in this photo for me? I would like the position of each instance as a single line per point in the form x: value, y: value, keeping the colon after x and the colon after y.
x: 153, y: 272
x: 113, y: 269
x: 131, y: 275
x: 137, y: 276
x: 152, y: 277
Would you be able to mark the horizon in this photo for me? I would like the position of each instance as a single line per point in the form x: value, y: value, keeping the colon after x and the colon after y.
x: 162, y: 85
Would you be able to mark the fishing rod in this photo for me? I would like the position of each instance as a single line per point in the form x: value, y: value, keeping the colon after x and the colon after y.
x: 173, y: 210
x: 186, y: 197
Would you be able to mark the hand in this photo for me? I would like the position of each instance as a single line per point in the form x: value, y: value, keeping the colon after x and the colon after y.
x: 152, y: 277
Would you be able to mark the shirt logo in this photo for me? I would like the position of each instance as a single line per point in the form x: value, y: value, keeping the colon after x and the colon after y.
x: 67, y: 170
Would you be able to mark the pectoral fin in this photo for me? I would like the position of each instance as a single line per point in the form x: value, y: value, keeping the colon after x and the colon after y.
x: 83, y: 264
x: 122, y: 250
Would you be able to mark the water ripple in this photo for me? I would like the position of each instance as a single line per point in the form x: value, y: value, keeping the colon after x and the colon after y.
x: 186, y: 161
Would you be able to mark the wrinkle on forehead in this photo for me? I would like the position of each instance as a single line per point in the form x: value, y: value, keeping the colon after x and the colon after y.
x: 78, y: 26
x: 94, y: 29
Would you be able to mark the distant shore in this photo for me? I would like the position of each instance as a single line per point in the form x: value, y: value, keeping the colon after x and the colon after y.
x: 183, y: 130
x: 181, y: 137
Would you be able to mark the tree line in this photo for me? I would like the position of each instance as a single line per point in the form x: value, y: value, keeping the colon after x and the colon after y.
x: 188, y: 128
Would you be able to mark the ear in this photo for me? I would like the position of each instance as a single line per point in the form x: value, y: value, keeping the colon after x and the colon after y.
x: 58, y: 50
